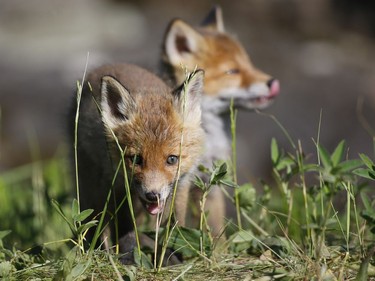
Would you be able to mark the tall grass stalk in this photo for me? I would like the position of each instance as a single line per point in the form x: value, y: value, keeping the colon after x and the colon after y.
x: 100, y: 229
x: 37, y: 181
x: 283, y: 129
x: 254, y: 224
x: 1, y: 131
x: 171, y: 208
x: 285, y: 185
x: 201, y: 221
x: 318, y: 240
x: 350, y: 196
x: 204, y: 257
x: 311, y: 235
x: 117, y: 208
x: 348, y: 209
x: 118, y: 274
x: 304, y: 192
x: 183, y: 273
x: 233, y: 118
x: 127, y: 190
x: 79, y: 95
x: 366, y: 125
x: 157, y: 228
x: 159, y: 219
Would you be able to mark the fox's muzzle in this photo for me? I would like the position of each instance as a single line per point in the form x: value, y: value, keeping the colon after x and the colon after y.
x: 154, y: 202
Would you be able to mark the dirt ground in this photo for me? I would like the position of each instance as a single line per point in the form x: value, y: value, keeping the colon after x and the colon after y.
x: 323, y: 66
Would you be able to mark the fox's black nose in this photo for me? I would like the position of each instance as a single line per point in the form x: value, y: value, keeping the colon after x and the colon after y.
x: 269, y: 82
x: 152, y: 196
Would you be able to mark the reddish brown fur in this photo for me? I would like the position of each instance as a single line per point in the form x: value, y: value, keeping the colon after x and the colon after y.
x: 221, y: 54
x: 218, y: 53
x: 136, y: 109
x: 155, y: 132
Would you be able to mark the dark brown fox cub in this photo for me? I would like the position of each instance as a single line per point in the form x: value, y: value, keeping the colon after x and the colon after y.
x: 128, y: 107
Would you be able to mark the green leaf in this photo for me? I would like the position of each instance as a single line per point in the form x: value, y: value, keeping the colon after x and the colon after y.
x: 218, y: 173
x: 203, y: 169
x: 285, y: 162
x: 4, y: 233
x: 247, y: 196
x: 87, y: 226
x: 324, y: 157
x: 367, y: 161
x: 83, y: 215
x: 366, y: 201
x: 131, y: 272
x: 362, y: 274
x: 278, y: 245
x: 365, y: 173
x: 349, y: 165
x: 338, y: 153
x: 78, y: 270
x: 69, y: 260
x: 274, y: 152
x: 186, y: 242
x: 142, y: 260
x: 229, y: 183
x: 6, y: 268
x: 56, y: 205
x: 369, y: 216
x: 243, y: 236
x: 310, y: 168
x: 199, y: 183
x: 75, y: 208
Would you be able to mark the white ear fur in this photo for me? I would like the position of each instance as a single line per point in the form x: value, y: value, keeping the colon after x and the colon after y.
x: 116, y: 102
x: 214, y: 19
x: 189, y: 98
x: 181, y: 41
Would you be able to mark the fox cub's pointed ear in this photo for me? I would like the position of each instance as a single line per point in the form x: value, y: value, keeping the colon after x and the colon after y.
x: 214, y: 19
x: 116, y: 102
x: 180, y: 42
x: 188, y: 97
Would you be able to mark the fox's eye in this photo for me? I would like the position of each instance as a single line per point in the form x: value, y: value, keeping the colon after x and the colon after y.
x: 232, y: 71
x: 172, y: 160
x: 136, y: 159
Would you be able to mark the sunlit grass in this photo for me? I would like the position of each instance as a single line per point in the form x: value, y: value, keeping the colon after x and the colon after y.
x: 292, y: 229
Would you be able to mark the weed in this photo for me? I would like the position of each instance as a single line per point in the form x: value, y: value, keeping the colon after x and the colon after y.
x: 289, y: 229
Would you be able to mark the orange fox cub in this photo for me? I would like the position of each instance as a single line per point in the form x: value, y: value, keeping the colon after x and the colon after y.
x: 229, y: 75
x: 229, y: 72
x: 129, y: 107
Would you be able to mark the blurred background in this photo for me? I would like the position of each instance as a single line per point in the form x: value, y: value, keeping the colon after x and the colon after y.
x: 322, y: 52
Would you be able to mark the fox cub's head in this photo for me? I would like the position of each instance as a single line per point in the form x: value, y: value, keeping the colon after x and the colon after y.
x: 158, y: 129
x: 229, y: 72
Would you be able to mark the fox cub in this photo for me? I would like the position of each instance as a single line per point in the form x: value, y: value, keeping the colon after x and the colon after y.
x: 229, y: 75
x: 158, y: 129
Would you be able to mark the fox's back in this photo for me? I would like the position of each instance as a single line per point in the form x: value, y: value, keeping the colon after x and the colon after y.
x: 136, y: 79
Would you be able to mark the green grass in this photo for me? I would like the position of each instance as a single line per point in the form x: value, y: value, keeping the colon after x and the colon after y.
x: 291, y: 229
x: 314, y: 221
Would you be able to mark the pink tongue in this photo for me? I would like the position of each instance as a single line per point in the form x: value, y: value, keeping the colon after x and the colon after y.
x: 153, y: 208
